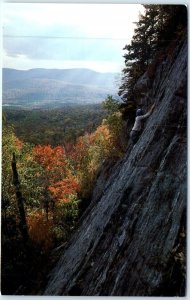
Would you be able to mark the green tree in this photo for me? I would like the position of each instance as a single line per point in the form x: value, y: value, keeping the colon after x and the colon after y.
x: 114, y: 122
x: 9, y: 147
x: 110, y: 104
x: 160, y: 25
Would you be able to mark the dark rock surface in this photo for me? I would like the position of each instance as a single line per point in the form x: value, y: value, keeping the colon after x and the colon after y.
x: 125, y: 243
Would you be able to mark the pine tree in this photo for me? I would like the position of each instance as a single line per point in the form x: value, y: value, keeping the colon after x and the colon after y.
x: 155, y: 30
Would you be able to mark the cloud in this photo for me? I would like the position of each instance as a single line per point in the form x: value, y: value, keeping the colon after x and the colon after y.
x: 24, y: 63
x: 67, y: 32
x: 63, y: 48
x: 95, y: 19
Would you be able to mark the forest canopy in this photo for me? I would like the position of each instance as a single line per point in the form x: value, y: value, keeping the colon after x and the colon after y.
x: 48, y: 174
x: 51, y: 158
x: 54, y: 126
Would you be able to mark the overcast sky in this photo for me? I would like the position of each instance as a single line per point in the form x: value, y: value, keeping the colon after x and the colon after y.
x: 67, y: 35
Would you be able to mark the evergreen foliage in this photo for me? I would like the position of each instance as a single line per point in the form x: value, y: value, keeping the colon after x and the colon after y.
x: 156, y: 29
x: 56, y: 180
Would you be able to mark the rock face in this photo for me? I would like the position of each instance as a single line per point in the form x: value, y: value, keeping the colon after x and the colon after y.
x: 125, y: 244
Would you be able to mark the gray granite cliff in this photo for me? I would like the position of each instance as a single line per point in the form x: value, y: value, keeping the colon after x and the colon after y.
x: 131, y: 232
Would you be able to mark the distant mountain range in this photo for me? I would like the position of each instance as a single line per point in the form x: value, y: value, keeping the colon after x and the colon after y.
x: 55, y: 88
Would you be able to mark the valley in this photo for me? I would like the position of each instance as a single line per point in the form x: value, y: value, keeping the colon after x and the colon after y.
x: 52, y: 88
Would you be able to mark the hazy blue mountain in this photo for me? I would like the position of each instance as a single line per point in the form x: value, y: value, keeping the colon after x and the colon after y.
x: 54, y: 87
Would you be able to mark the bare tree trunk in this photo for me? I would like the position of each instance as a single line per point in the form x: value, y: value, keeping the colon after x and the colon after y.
x: 20, y: 201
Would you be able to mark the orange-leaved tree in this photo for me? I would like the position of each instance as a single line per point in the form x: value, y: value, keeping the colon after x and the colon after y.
x: 41, y: 230
x: 60, y: 186
x: 53, y: 160
x: 89, y: 153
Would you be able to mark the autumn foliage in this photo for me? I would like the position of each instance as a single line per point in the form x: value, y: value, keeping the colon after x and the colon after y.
x: 51, y: 159
x: 60, y: 184
x: 40, y: 230
x: 54, y: 182
x: 61, y: 190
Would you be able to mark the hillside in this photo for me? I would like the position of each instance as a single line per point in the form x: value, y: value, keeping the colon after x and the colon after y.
x: 55, y: 126
x: 55, y: 88
x: 86, y: 210
x: 131, y: 239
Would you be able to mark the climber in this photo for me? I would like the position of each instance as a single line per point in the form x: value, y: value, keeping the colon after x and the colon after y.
x: 136, y: 130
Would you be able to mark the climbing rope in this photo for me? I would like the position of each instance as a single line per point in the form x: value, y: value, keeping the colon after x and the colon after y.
x: 178, y: 126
